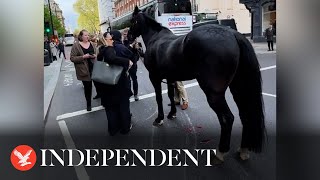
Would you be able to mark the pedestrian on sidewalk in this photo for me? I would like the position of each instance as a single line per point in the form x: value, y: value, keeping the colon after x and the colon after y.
x: 269, y: 35
x: 115, y: 98
x: 82, y: 54
x: 53, y: 47
x: 61, y: 49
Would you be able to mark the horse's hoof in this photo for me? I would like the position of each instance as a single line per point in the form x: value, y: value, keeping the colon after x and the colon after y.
x: 155, y: 123
x: 216, y: 161
x: 244, y: 154
x: 218, y: 158
x: 171, y: 117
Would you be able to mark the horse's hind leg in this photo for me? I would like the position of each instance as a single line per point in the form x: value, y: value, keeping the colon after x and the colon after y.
x: 218, y: 103
x: 173, y: 112
x: 156, y: 82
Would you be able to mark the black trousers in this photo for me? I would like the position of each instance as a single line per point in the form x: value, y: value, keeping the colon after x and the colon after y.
x: 98, y: 87
x: 133, y: 75
x: 119, y: 118
x: 87, y: 91
x: 270, y: 44
x: 64, y: 54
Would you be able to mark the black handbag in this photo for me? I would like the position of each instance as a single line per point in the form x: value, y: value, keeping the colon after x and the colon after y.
x: 104, y: 73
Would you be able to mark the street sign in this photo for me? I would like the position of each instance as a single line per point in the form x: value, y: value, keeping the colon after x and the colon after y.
x: 55, y: 32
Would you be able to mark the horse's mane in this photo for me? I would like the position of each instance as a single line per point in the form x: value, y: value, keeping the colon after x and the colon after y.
x: 150, y: 21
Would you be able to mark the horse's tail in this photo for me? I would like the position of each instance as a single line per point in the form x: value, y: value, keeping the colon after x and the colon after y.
x: 246, y: 88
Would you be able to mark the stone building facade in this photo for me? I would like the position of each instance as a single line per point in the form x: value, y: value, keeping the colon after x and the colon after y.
x: 263, y: 13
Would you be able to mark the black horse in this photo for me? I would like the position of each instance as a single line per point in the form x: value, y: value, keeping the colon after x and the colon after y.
x: 218, y: 57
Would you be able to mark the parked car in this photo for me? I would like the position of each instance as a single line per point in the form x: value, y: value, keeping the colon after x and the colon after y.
x: 69, y: 39
x: 47, y: 59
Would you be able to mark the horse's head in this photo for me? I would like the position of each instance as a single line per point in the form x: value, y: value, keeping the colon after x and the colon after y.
x: 137, y: 23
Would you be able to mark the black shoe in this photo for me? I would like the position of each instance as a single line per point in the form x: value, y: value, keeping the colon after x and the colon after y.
x: 155, y: 123
x: 136, y: 98
x: 88, y: 106
x: 127, y: 131
x: 96, y: 97
x: 113, y: 133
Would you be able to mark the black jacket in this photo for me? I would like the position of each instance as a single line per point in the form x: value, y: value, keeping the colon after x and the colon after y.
x: 122, y: 50
x: 114, y: 94
x: 136, y: 55
x: 269, y: 34
x: 61, y: 46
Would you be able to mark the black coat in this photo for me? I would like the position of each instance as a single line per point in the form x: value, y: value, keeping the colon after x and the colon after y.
x: 123, y: 51
x: 269, y: 34
x: 114, y: 94
x: 135, y: 57
x: 61, y: 46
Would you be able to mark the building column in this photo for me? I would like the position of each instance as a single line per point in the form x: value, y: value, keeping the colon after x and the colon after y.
x: 256, y: 23
x: 254, y: 6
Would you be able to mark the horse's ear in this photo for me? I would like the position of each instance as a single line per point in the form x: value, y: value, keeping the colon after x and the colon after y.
x: 136, y: 10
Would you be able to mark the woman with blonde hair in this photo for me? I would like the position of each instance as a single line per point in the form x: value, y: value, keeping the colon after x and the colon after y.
x: 82, y: 54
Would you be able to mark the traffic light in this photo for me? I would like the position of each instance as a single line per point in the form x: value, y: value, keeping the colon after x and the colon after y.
x: 47, y: 26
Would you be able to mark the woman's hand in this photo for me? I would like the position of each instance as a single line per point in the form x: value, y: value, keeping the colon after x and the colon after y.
x: 86, y: 56
x: 93, y: 56
x: 130, y: 64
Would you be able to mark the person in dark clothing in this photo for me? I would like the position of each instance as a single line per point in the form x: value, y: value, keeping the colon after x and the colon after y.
x: 125, y: 52
x: 61, y: 49
x: 269, y: 34
x: 137, y: 52
x: 115, y: 98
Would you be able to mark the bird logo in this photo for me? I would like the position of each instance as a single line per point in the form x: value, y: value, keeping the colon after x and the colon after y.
x: 23, y: 162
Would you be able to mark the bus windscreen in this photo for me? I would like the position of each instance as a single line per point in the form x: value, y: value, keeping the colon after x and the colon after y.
x: 170, y: 7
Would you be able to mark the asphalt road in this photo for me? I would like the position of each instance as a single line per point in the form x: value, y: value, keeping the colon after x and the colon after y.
x: 69, y: 125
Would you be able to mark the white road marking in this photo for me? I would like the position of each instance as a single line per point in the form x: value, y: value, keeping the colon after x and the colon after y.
x: 70, y: 64
x: 266, y: 94
x: 269, y: 67
x: 68, y: 79
x: 78, y: 113
x: 80, y: 170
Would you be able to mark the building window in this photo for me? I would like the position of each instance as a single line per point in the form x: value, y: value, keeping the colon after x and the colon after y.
x: 268, y: 16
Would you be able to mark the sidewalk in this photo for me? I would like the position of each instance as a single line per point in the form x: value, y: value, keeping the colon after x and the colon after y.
x: 51, y: 76
x: 262, y: 47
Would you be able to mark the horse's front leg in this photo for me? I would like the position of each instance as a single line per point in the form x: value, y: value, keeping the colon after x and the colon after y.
x: 173, y: 112
x: 157, y: 87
